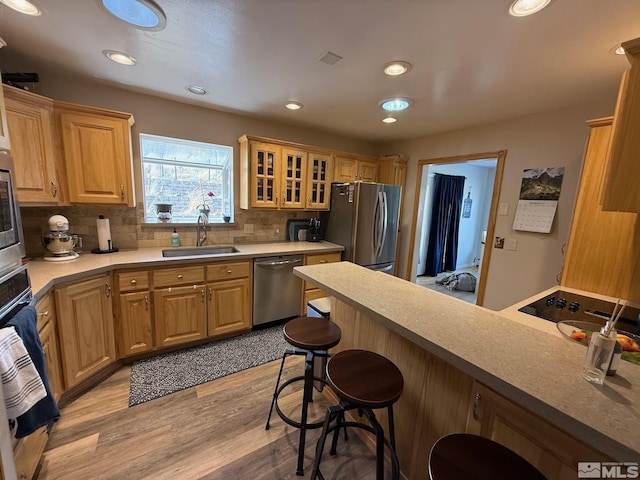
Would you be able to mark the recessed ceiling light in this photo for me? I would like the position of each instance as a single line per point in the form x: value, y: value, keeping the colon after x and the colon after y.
x: 119, y: 57
x: 395, y: 104
x: 197, y: 89
x: 617, y: 50
x: 394, y: 69
x: 522, y: 8
x: 23, y: 6
x: 291, y: 105
x: 389, y: 120
x: 144, y: 14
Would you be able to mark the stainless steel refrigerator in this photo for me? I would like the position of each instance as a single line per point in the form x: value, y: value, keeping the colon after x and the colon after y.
x: 363, y: 217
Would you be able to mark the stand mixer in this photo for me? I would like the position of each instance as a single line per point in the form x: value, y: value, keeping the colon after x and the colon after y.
x: 58, y: 243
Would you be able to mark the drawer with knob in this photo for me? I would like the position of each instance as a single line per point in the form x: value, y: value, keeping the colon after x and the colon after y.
x: 133, y: 281
x: 226, y: 271
x: 169, y: 277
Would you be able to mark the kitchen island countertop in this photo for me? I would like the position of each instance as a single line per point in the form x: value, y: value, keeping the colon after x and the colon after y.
x: 45, y: 274
x: 521, y: 357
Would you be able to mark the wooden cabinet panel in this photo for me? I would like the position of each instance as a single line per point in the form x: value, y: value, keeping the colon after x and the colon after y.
x: 621, y: 192
x: 31, y: 125
x: 229, y: 306
x: 179, y: 315
x: 134, y: 323
x: 178, y: 276
x: 85, y: 317
x: 133, y: 281
x: 350, y: 170
x: 265, y: 175
x: 320, y: 176
x: 49, y: 339
x: 4, y: 129
x: 227, y: 271
x: 97, y: 157
x: 293, y: 178
x: 318, y: 258
x: 367, y: 171
x: 310, y: 291
x: 601, y: 242
x: 27, y: 453
x: 550, y: 450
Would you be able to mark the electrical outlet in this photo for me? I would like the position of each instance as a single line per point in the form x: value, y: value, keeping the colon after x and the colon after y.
x: 277, y: 230
x: 248, y: 228
x: 512, y: 244
x: 503, y: 209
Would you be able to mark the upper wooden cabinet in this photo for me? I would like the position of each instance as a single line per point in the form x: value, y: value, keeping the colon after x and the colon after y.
x: 4, y: 129
x: 351, y: 170
x: 603, y: 251
x: 621, y: 192
x: 282, y: 175
x: 31, y: 126
x: 97, y: 154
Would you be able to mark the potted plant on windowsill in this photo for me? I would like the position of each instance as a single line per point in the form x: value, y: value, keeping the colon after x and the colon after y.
x: 226, y: 218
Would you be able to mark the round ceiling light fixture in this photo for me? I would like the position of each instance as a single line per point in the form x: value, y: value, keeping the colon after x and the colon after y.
x: 389, y: 120
x: 397, y: 68
x: 197, y: 89
x: 23, y: 6
x: 395, y: 104
x: 293, y: 105
x: 144, y: 14
x: 119, y: 57
x: 522, y: 8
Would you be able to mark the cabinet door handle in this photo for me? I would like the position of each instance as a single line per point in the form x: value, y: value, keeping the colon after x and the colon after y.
x: 201, y: 295
x: 180, y: 277
x: 229, y: 271
x: 146, y: 302
x: 210, y: 293
x: 108, y: 289
x: 476, y: 401
x: 54, y: 189
x: 276, y: 199
x: 44, y: 314
x: 121, y: 192
x: 134, y: 282
x: 323, y: 261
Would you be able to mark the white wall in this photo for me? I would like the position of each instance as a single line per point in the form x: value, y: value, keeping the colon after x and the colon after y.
x: 550, y: 139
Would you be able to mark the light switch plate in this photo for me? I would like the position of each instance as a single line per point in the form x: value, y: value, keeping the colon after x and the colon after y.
x: 512, y: 244
x: 248, y: 228
x: 503, y: 209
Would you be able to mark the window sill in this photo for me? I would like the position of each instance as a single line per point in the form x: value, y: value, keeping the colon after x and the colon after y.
x: 182, y: 224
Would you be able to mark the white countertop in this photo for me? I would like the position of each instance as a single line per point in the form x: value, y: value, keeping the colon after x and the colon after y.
x: 45, y: 274
x: 520, y: 356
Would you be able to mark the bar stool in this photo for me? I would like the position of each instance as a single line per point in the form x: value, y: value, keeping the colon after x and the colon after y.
x: 311, y: 337
x: 364, y: 381
x: 472, y: 457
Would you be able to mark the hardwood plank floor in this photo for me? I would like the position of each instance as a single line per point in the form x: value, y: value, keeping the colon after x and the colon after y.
x: 212, y: 431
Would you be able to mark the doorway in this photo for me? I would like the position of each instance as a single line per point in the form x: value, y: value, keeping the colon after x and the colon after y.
x: 483, y: 179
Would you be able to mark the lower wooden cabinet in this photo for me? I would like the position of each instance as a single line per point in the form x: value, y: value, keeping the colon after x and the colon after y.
x: 49, y: 338
x: 229, y: 306
x: 133, y: 320
x: 86, y: 332
x: 27, y: 453
x: 549, y: 449
x: 309, y: 291
x: 179, y: 315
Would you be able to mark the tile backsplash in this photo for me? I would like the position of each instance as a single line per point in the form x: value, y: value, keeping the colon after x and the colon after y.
x: 128, y: 229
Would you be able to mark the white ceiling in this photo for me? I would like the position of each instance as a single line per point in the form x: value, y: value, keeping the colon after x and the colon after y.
x: 472, y: 62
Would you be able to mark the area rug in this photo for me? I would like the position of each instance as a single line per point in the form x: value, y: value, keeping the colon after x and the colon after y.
x: 165, y: 374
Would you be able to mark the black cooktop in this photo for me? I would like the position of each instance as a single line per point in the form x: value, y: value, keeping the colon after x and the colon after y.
x: 562, y: 305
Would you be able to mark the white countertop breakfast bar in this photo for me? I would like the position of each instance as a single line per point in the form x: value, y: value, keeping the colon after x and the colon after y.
x: 45, y: 274
x: 521, y: 357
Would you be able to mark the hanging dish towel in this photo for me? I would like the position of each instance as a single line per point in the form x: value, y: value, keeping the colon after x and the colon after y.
x: 21, y: 383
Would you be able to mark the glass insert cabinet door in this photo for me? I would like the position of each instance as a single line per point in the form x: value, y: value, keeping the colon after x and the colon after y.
x: 265, y: 160
x: 294, y: 177
x: 319, y: 183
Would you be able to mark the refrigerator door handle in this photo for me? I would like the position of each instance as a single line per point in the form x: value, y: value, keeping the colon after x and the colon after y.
x: 384, y: 225
x: 378, y: 238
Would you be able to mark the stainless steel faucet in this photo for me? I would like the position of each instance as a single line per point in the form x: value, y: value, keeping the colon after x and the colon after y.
x: 201, y: 229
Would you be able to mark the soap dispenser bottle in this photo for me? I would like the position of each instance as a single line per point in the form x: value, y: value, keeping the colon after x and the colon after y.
x: 175, y: 238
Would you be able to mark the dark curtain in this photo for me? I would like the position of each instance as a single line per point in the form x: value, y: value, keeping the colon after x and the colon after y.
x: 442, y: 248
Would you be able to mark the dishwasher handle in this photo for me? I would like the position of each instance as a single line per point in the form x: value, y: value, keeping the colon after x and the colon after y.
x: 278, y: 263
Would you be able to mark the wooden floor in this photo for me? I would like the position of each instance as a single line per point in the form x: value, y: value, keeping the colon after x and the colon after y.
x: 212, y: 431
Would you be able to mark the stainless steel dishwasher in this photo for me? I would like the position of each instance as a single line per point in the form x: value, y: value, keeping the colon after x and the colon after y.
x: 277, y: 292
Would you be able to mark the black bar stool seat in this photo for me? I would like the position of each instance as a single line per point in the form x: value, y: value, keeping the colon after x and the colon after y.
x: 311, y: 337
x: 472, y: 457
x: 363, y: 380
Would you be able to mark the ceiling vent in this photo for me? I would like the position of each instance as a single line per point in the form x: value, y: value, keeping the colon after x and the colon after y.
x: 330, y: 58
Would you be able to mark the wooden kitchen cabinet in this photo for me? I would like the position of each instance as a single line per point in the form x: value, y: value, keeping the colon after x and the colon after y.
x: 310, y: 291
x: 48, y: 332
x: 97, y: 154
x: 179, y: 305
x: 4, y: 129
x: 30, y: 120
x: 85, y: 318
x: 229, y: 298
x: 549, y: 449
x: 622, y: 175
x: 591, y: 264
x: 133, y: 320
x: 351, y: 169
x: 320, y: 176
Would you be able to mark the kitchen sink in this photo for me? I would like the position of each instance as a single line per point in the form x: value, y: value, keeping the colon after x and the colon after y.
x: 196, y: 251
